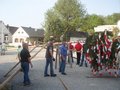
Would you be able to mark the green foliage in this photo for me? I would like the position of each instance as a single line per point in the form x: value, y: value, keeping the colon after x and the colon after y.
x: 52, y: 25
x: 91, y: 21
x: 115, y: 32
x: 65, y: 16
x: 112, y: 19
x: 70, y: 15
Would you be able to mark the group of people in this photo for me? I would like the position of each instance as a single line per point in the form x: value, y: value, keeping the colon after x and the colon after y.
x: 65, y: 50
x: 102, y: 54
x: 97, y: 55
x: 25, y: 60
x: 50, y: 58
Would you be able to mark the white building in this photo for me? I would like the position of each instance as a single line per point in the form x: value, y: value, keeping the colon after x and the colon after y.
x: 118, y: 24
x: 110, y: 28
x: 25, y: 34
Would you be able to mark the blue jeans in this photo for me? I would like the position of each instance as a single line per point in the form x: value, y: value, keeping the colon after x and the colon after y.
x: 49, y: 61
x: 62, y: 66
x: 25, y: 68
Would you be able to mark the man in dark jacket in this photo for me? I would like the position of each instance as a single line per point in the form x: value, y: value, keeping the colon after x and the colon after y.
x: 25, y: 61
x: 49, y: 60
x: 83, y: 57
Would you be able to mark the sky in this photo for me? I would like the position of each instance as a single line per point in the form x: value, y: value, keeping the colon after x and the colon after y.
x: 30, y: 13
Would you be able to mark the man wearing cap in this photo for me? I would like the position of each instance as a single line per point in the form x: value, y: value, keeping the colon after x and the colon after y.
x: 49, y: 60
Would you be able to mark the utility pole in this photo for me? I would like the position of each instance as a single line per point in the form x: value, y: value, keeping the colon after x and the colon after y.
x: 2, y: 36
x: 2, y: 33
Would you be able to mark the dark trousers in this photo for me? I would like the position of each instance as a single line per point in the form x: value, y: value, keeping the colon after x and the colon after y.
x: 83, y: 59
x: 25, y: 68
x: 78, y: 58
x: 62, y: 66
x: 49, y: 61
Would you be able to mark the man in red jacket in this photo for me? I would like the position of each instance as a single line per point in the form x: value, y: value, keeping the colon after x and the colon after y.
x: 78, y: 47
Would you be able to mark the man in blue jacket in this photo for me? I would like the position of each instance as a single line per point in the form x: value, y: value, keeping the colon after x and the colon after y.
x: 63, y: 56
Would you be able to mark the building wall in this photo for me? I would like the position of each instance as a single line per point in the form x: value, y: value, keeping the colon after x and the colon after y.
x: 103, y: 27
x: 4, y: 33
x: 19, y: 36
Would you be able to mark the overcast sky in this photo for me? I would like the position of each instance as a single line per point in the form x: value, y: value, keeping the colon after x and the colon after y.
x: 31, y: 12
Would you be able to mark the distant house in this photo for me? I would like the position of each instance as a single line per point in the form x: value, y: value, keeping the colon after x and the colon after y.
x: 102, y: 28
x: 12, y: 30
x: 109, y: 28
x: 4, y: 33
x: 77, y: 35
x: 25, y: 34
x: 35, y: 35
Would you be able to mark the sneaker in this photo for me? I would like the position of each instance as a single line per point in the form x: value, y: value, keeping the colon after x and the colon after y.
x: 53, y: 75
x: 46, y: 75
x: 27, y: 84
x: 80, y: 65
x: 59, y: 70
x: 63, y: 73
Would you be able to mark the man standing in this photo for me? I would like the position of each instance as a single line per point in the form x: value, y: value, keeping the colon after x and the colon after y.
x: 63, y: 56
x: 3, y: 48
x: 78, y: 47
x: 49, y: 60
x: 83, y: 57
x: 25, y: 61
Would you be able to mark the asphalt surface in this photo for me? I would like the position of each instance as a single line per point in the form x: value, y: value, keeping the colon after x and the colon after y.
x: 77, y: 78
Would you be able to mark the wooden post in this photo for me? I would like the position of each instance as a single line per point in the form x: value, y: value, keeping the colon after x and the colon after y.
x: 33, y: 49
x: 56, y: 57
x: 59, y: 58
x: 11, y: 69
x: 9, y: 78
x: 70, y: 60
x: 16, y: 64
x: 16, y: 72
x: 69, y: 56
x: 38, y: 51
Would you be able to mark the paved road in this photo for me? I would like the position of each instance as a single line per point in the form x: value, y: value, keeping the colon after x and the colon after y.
x: 77, y: 78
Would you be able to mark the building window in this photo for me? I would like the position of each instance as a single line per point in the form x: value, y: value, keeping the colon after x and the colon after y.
x: 22, y: 32
x: 18, y: 32
x: 21, y: 40
x: 16, y: 40
x: 6, y: 37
